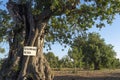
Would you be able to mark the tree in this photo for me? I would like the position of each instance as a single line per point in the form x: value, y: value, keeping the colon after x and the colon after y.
x: 77, y: 56
x: 108, y: 56
x: 94, y: 51
x: 116, y: 63
x: 66, y: 62
x: 33, y: 22
x: 52, y: 59
x: 95, y: 42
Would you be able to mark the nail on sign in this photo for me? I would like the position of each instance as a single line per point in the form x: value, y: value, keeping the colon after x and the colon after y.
x: 29, y: 51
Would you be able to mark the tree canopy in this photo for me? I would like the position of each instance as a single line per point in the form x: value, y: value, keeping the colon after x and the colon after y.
x: 92, y: 50
x: 66, y: 17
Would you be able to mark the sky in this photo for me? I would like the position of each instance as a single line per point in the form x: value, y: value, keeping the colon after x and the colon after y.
x: 111, y: 34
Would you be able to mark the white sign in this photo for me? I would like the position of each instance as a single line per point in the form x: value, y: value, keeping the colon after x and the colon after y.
x: 29, y: 51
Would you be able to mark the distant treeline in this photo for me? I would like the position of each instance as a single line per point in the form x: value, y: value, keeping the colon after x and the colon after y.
x: 87, y: 52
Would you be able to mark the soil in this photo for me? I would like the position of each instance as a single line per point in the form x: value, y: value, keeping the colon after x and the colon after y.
x: 88, y: 75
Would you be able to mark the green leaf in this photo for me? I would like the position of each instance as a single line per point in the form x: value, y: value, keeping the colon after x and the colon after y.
x: 2, y: 50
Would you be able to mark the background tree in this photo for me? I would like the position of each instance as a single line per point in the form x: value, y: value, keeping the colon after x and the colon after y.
x: 94, y: 51
x: 76, y: 57
x: 66, y: 62
x: 28, y: 21
x: 52, y: 59
x: 94, y: 44
x: 116, y: 63
x: 108, y: 56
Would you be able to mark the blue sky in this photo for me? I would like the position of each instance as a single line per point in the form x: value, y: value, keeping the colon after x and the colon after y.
x: 110, y: 33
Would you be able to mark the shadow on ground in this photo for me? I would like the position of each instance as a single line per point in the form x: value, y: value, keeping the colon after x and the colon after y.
x: 115, y: 75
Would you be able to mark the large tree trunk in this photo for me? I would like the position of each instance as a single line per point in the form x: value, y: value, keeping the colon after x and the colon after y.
x: 26, y: 32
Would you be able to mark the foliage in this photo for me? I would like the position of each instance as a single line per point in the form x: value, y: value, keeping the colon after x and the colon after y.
x: 2, y: 50
x: 52, y: 59
x: 66, y: 62
x: 66, y: 18
x: 1, y: 61
x: 94, y: 51
x: 87, y: 52
x: 76, y: 56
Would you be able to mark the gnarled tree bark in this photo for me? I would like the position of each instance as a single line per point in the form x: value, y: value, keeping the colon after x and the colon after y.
x: 26, y: 32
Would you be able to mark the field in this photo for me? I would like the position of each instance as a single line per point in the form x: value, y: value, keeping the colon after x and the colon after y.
x: 88, y: 75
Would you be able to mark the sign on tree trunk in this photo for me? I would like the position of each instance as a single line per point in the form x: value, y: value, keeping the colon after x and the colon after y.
x: 29, y: 51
